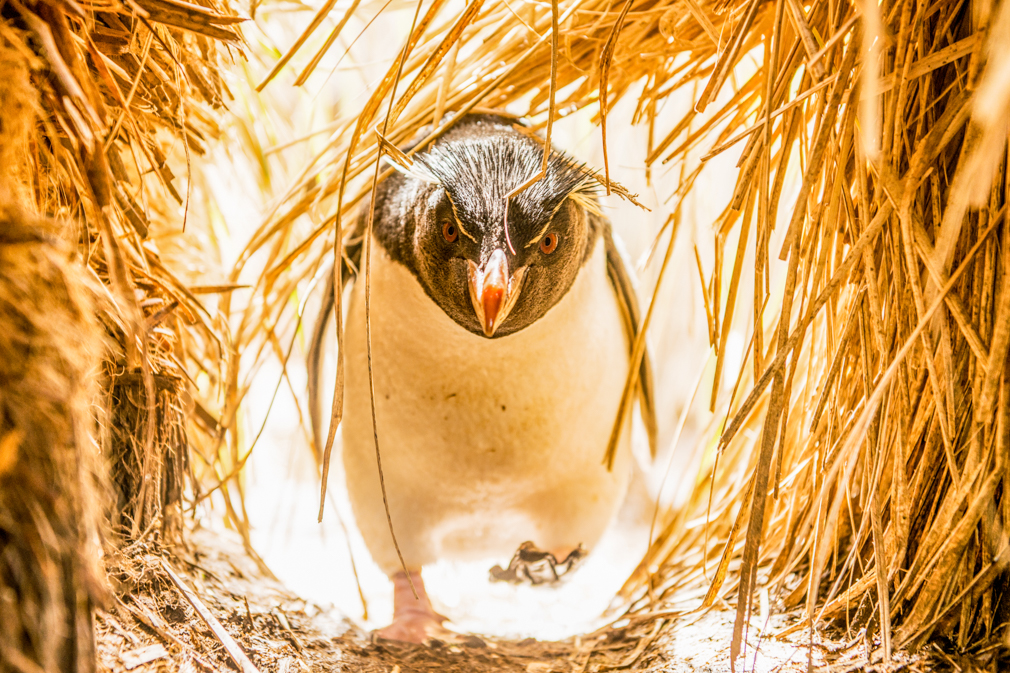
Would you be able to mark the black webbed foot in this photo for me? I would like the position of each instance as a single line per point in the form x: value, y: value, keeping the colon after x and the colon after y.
x: 532, y: 565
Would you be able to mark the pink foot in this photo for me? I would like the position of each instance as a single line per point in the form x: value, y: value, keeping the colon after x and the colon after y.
x: 414, y: 620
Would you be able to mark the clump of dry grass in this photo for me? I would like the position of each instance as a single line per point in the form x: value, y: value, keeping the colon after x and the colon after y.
x: 860, y: 472
x: 142, y: 491
x: 51, y: 347
x: 114, y: 88
x: 91, y: 97
x: 877, y: 403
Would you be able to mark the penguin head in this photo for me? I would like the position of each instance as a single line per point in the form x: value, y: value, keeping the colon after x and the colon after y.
x: 490, y: 277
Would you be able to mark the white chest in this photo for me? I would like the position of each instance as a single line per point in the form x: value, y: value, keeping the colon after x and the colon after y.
x: 485, y: 443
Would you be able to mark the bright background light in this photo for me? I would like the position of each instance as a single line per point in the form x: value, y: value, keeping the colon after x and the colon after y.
x: 262, y: 152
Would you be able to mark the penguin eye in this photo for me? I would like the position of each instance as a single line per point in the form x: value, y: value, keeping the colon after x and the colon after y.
x: 449, y: 232
x: 549, y: 243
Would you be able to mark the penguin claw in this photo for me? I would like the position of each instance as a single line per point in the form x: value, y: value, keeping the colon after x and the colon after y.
x: 535, y: 566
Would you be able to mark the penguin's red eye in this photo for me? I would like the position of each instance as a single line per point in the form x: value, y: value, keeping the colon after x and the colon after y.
x: 549, y: 244
x: 449, y: 232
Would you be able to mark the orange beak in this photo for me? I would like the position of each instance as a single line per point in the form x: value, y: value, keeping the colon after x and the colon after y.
x: 492, y: 291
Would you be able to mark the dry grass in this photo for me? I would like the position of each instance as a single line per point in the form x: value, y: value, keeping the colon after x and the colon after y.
x: 50, y: 349
x: 117, y: 91
x: 860, y: 471
x: 878, y: 407
x: 279, y: 632
x: 92, y: 97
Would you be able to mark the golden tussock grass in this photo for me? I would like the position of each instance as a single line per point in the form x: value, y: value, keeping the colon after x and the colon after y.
x: 111, y: 88
x: 859, y: 474
x: 50, y: 476
x: 88, y: 95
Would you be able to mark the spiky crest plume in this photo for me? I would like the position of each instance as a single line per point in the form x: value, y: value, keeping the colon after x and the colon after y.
x: 486, y: 157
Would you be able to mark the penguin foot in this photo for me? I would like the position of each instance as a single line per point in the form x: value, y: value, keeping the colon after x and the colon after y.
x: 532, y: 565
x: 414, y: 620
x: 416, y: 628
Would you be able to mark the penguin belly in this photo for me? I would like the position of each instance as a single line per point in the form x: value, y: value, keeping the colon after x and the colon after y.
x: 485, y: 443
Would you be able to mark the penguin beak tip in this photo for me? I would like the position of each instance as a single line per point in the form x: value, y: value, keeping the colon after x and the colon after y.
x: 490, y: 292
x: 492, y: 300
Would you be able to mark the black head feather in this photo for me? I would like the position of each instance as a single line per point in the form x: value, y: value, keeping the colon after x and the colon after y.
x: 484, y: 158
x: 463, y: 179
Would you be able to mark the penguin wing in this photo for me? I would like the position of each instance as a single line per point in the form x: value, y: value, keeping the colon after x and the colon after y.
x: 627, y: 299
x: 350, y: 263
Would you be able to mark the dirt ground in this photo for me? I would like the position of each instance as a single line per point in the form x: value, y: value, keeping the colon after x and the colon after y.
x: 254, y: 625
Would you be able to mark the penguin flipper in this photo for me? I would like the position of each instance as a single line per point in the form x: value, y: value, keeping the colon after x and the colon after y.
x: 627, y: 298
x: 349, y: 265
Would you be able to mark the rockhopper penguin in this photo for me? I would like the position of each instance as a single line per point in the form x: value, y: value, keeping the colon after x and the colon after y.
x: 499, y: 358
